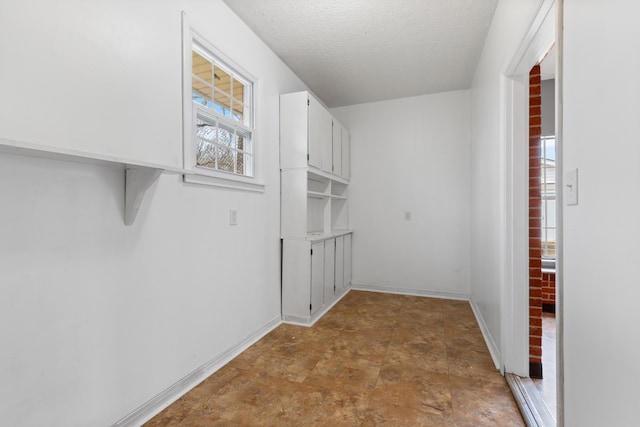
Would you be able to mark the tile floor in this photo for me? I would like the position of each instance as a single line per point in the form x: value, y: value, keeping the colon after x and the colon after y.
x: 374, y: 360
x: 547, y: 385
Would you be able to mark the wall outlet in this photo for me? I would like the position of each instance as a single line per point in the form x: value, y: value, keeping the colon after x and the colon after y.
x: 407, y: 216
x: 233, y: 217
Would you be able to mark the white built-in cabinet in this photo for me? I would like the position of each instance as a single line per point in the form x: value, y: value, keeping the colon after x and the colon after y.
x: 314, y: 223
x: 315, y: 275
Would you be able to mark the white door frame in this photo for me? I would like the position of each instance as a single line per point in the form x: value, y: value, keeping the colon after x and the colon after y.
x: 515, y: 191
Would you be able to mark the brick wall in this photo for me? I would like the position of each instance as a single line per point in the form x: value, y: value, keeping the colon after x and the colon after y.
x: 549, y: 292
x: 535, y: 225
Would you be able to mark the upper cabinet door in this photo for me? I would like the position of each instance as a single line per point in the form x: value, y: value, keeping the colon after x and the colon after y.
x: 346, y: 154
x: 316, y: 122
x: 326, y: 142
x: 337, y: 148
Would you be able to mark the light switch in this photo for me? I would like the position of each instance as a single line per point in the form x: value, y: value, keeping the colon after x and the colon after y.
x: 571, y: 187
x: 233, y: 217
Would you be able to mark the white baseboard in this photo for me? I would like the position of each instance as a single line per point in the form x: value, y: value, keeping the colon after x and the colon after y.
x: 409, y: 291
x: 154, y: 406
x: 311, y: 320
x: 488, y: 339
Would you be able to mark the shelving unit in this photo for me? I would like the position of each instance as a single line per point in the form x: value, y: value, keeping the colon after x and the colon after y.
x: 314, y: 163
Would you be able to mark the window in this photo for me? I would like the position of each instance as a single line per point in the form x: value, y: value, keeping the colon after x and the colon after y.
x: 219, y: 132
x: 548, y: 177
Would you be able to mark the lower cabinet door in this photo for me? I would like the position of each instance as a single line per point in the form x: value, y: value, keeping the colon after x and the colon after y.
x: 339, y: 267
x: 329, y: 282
x: 347, y: 260
x: 317, y: 276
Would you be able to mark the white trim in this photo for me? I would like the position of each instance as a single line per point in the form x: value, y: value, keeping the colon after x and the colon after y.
x: 515, y: 272
x: 488, y: 339
x: 559, y: 217
x: 409, y: 291
x: 154, y: 406
x: 24, y: 148
x: 533, y: 409
x: 309, y: 321
x: 536, y: 42
x: 545, y: 28
x: 223, y: 182
x: 515, y: 257
x: 189, y: 112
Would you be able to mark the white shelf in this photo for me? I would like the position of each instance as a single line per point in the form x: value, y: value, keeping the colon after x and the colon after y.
x: 138, y: 175
x: 317, y: 195
x: 317, y: 236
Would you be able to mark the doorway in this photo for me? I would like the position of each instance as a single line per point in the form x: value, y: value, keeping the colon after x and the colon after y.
x: 515, y: 344
x: 542, y: 229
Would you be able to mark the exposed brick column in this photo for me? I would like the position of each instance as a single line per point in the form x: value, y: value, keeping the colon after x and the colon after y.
x: 535, y: 225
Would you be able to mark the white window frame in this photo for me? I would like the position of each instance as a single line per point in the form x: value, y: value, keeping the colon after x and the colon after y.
x: 203, y: 175
x: 547, y: 198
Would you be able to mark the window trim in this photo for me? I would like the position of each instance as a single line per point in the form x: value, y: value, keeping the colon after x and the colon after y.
x: 547, y: 198
x: 207, y: 176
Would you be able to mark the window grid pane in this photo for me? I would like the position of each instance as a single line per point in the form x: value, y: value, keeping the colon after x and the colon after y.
x: 548, y: 181
x: 219, y: 144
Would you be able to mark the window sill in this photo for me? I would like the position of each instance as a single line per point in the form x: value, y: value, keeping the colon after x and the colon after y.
x: 224, y: 182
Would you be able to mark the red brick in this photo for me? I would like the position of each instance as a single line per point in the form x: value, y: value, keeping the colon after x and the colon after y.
x: 535, y: 232
x: 534, y: 77
x: 535, y: 101
x: 534, y: 90
x: 534, y: 163
x: 535, y: 332
x: 534, y: 121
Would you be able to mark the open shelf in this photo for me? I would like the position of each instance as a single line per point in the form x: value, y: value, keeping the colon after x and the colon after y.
x: 338, y: 190
x: 316, y: 195
x: 138, y: 175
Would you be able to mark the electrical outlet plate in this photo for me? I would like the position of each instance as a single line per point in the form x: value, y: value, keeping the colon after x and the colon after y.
x: 407, y: 216
x: 233, y: 217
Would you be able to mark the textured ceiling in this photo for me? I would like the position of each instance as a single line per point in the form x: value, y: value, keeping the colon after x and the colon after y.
x: 355, y: 51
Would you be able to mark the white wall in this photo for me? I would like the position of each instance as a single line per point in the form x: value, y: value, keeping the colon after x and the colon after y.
x: 96, y: 317
x: 601, y: 252
x: 510, y: 22
x: 410, y: 155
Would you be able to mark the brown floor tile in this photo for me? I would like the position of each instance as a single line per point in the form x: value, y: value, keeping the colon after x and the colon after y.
x: 314, y: 405
x: 477, y: 402
x: 369, y: 344
x: 344, y: 373
x: 373, y: 360
x: 250, y: 399
x: 427, y: 356
x: 411, y: 387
